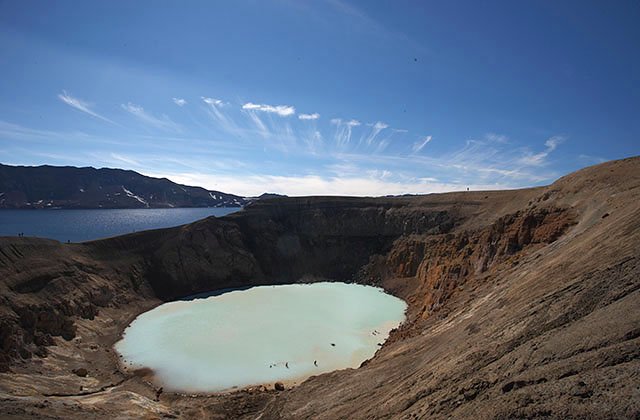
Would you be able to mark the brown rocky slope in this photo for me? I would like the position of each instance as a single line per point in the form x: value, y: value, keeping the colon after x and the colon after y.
x: 521, y: 304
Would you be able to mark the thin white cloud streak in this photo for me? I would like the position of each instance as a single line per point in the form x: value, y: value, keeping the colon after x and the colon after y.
x: 260, y: 125
x: 179, y: 101
x: 375, y: 130
x: 499, y: 138
x: 214, y: 101
x: 343, y: 132
x: 281, y: 110
x: 163, y: 122
x: 215, y: 111
x: 540, y: 159
x: 343, y: 169
x: 201, y: 163
x: 382, y: 145
x: 591, y: 159
x: 483, y: 161
x: 553, y: 142
x: 81, y: 105
x: 314, y: 142
x: 419, y: 145
x: 313, y: 116
x: 357, y: 15
x: 15, y: 131
x: 352, y: 123
x: 10, y: 131
x: 124, y: 159
x: 274, y: 129
x: 382, y: 174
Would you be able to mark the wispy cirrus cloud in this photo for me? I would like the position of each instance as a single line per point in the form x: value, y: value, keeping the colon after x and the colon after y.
x: 265, y: 127
x: 419, y: 145
x: 344, y: 130
x: 215, y: 109
x: 11, y: 131
x: 214, y: 101
x: 179, y: 101
x: 313, y: 116
x: 375, y: 130
x: 349, y: 123
x: 590, y: 160
x: 18, y: 132
x: 81, y: 105
x: 163, y: 122
x: 260, y: 125
x: 281, y: 110
x: 385, y: 160
x: 124, y: 159
x: 269, y: 128
x: 499, y: 138
x: 314, y: 141
x: 480, y: 164
x: 540, y: 159
x: 364, y: 21
x: 486, y: 162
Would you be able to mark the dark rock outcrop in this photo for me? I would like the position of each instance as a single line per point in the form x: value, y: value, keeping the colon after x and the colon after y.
x: 82, y: 372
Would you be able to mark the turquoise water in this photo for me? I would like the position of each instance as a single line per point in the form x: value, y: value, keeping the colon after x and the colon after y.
x: 87, y: 225
x: 260, y: 335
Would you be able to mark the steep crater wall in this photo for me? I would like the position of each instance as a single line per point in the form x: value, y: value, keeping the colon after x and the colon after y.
x: 48, y: 284
x: 432, y: 268
x: 372, y: 241
x: 330, y: 238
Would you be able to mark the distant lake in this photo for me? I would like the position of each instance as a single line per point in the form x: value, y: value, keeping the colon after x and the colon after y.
x: 86, y: 225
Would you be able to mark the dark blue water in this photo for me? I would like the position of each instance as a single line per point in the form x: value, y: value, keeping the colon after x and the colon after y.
x: 86, y: 225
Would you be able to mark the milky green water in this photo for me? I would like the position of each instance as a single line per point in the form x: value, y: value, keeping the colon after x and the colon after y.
x: 260, y: 335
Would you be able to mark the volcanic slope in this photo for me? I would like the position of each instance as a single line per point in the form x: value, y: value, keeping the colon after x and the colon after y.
x: 521, y: 304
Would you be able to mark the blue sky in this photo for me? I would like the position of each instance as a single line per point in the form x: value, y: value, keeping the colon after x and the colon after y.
x: 322, y: 97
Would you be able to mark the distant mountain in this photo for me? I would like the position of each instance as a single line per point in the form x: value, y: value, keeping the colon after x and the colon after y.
x: 29, y: 187
x: 270, y: 195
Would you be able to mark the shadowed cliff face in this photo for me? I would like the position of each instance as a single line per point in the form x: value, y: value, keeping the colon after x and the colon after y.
x: 328, y: 237
x: 498, y: 284
x: 272, y: 241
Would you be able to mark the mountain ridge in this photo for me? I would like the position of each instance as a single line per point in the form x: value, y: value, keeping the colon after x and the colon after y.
x: 71, y: 187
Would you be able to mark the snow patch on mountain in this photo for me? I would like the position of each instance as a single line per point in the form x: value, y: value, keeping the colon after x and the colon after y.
x: 132, y: 195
